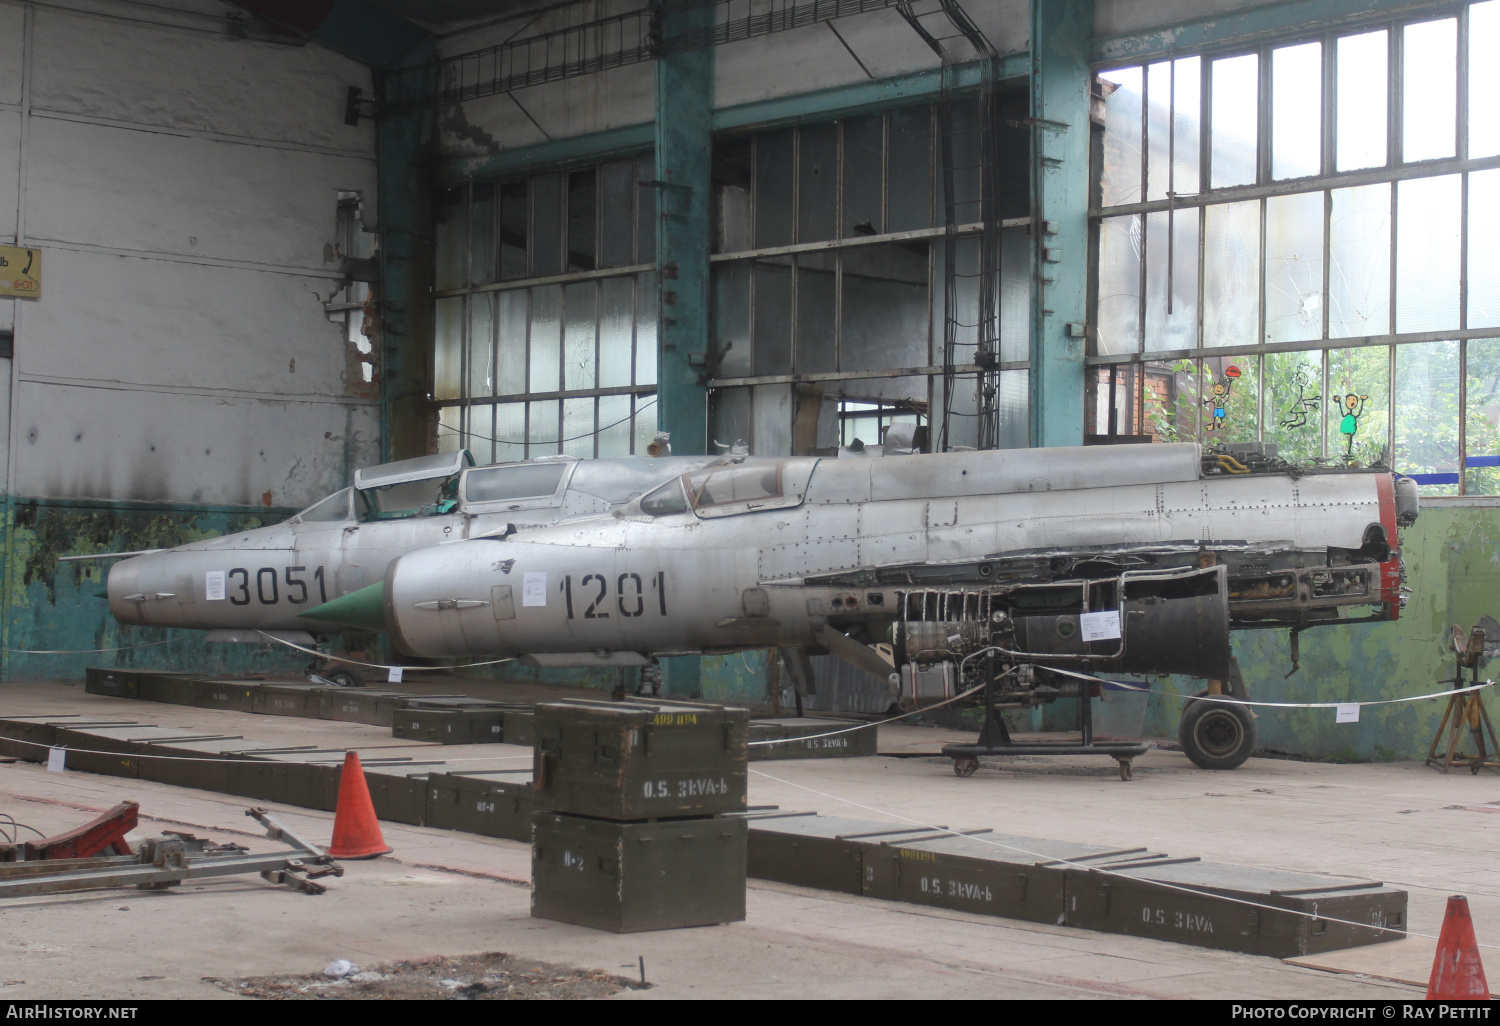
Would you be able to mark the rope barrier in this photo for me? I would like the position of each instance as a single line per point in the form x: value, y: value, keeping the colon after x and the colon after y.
x: 379, y: 666
x: 87, y: 651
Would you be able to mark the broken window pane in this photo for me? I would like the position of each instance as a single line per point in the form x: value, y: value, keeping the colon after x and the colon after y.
x: 510, y: 350
x: 732, y: 175
x: 482, y: 236
x: 447, y: 348
x: 578, y: 427
x: 1359, y: 256
x: 1359, y: 403
x: 1177, y: 270
x: 1294, y: 404
x: 1363, y: 67
x: 1297, y: 111
x: 1427, y: 415
x: 546, y: 340
x: 645, y: 209
x: 910, y: 169
x: 1429, y: 89
x: 864, y: 150
x: 510, y: 432
x: 546, y: 225
x: 817, y: 350
x: 1483, y: 114
x: 614, y: 425
x: 450, y: 238
x: 817, y: 182
x: 1294, y: 267
x: 481, y: 345
x: 966, y: 155
x: 773, y: 315
x: 513, y: 225
x: 1123, y: 90
x: 1170, y: 401
x: 885, y: 312
x: 450, y: 429
x: 617, y: 213
x: 1231, y: 397
x: 1231, y: 274
x: 646, y: 423
x: 1158, y: 129
x: 1015, y: 295
x: 1235, y: 117
x: 1484, y: 249
x: 773, y: 188
x: 729, y: 416
x: 542, y: 429
x: 1427, y: 253
x: 1120, y: 285
x: 583, y: 208
x: 580, y: 359
x: 1482, y: 416
x: 732, y: 319
x: 616, y: 311
x: 645, y: 328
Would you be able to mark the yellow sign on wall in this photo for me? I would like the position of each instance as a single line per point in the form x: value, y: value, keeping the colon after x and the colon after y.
x: 20, y: 272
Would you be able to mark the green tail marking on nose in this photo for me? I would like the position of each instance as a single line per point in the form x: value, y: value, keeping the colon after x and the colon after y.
x: 364, y: 609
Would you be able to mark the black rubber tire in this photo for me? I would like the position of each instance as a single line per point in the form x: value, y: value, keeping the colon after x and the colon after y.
x: 344, y: 679
x: 1217, y: 735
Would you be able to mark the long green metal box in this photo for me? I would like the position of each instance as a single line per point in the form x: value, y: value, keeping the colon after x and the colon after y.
x: 288, y: 700
x: 449, y: 726
x: 1223, y: 906
x: 808, y: 738
x: 640, y: 760
x: 630, y: 877
x: 826, y: 852
x: 359, y: 705
x: 99, y: 680
x: 398, y: 792
x: 166, y: 686
x: 238, y: 695
x: 494, y: 803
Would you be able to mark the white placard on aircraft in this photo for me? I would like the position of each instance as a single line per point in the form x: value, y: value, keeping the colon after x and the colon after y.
x: 1100, y: 626
x: 534, y: 589
x: 213, y: 586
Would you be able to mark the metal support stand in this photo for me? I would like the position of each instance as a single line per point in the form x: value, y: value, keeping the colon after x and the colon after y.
x: 994, y: 736
x: 1466, y: 710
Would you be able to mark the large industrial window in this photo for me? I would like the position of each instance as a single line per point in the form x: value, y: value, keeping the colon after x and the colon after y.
x: 832, y: 295
x: 545, y: 314
x: 1298, y: 244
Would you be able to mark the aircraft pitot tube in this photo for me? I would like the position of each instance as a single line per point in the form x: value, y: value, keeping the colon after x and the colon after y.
x: 1100, y: 559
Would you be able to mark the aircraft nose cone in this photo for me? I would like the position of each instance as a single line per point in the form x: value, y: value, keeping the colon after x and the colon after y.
x: 363, y: 609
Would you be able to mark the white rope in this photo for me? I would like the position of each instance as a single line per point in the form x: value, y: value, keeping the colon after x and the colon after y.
x: 249, y: 756
x: 876, y: 723
x: 379, y: 666
x: 87, y: 651
x: 1098, y: 869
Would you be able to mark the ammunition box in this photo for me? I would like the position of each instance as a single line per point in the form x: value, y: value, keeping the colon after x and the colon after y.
x: 98, y: 680
x: 166, y: 686
x: 519, y: 726
x: 1222, y: 906
x: 639, y: 760
x: 290, y: 781
x: 984, y: 873
x: 90, y: 751
x: 629, y: 877
x: 398, y: 796
x: 237, y: 695
x: 826, y: 852
x: 197, y: 764
x: 449, y: 726
x: 27, y: 739
x: 494, y: 804
x: 801, y: 738
x: 288, y: 700
x: 359, y: 705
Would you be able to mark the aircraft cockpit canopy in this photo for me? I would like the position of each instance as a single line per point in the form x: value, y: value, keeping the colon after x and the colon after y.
x: 424, y: 486
x: 732, y: 487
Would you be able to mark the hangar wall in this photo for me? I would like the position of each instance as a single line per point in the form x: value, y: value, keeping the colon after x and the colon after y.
x: 179, y: 376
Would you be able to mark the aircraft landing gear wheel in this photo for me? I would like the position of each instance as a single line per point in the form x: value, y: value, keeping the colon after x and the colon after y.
x: 343, y: 679
x: 1216, y: 735
x: 965, y: 765
x: 1125, y: 770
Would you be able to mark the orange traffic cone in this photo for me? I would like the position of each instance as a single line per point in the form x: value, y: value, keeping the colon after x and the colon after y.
x: 1457, y: 974
x: 356, y: 834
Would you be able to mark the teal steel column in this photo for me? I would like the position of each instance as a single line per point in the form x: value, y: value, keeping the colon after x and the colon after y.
x: 405, y: 166
x: 684, y: 183
x: 1060, y: 91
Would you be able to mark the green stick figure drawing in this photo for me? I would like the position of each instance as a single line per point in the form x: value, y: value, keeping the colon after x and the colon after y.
x: 1218, y: 398
x: 1354, y: 408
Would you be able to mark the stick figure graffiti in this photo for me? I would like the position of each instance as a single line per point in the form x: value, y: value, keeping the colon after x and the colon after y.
x: 1218, y: 398
x: 1296, y: 414
x: 1354, y: 408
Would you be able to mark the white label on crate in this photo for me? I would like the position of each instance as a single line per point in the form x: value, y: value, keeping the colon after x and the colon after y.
x: 55, y: 759
x: 1100, y: 626
x: 1348, y: 714
x: 394, y: 676
x: 534, y: 589
x: 213, y: 586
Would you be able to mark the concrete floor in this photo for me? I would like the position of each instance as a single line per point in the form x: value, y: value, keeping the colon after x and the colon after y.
x: 450, y: 893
